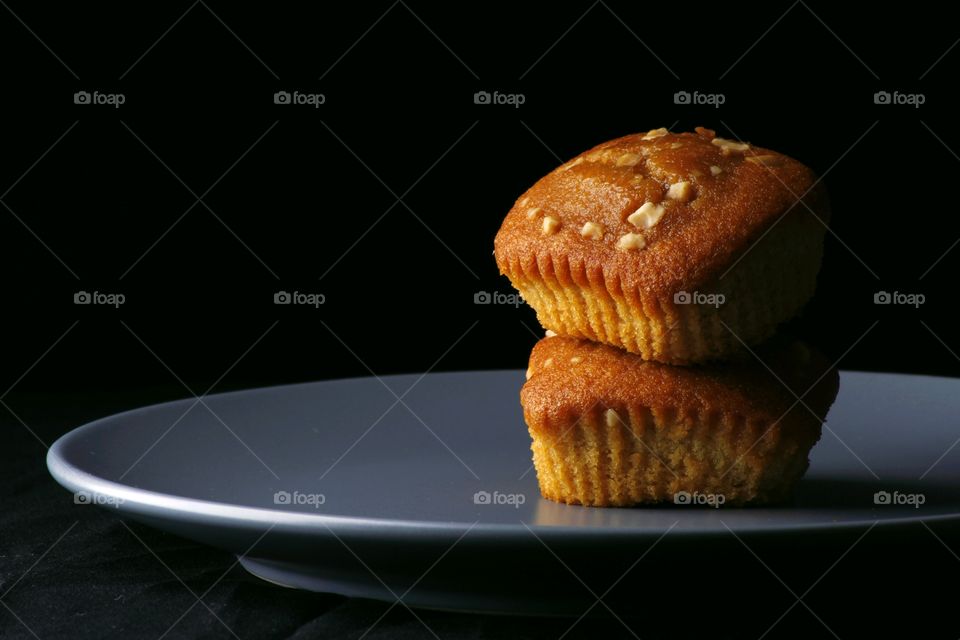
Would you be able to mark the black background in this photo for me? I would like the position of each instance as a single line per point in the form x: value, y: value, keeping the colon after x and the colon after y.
x: 400, y: 296
x: 105, y: 199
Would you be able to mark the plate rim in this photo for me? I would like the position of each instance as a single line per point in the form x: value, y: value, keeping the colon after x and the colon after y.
x: 211, y: 513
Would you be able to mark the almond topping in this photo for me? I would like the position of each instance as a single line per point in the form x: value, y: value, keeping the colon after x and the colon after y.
x: 646, y: 216
x: 592, y: 230
x: 576, y: 360
x: 681, y: 191
x: 729, y: 146
x: 524, y: 202
x: 715, y: 170
x: 529, y: 373
x: 532, y: 212
x: 630, y: 241
x: 550, y: 334
x: 548, y: 362
x: 629, y: 159
x: 550, y: 225
x: 600, y: 155
x: 655, y: 133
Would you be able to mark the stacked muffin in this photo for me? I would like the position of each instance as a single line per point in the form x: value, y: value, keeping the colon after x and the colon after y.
x: 657, y: 262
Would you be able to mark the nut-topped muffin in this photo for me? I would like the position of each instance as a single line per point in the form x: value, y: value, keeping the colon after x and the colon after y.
x: 677, y: 247
x: 611, y: 429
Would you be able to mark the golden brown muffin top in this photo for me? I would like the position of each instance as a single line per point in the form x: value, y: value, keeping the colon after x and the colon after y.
x: 568, y: 377
x: 661, y: 212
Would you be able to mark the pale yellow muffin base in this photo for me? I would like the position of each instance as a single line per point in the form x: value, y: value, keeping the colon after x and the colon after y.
x: 767, y: 286
x: 640, y: 455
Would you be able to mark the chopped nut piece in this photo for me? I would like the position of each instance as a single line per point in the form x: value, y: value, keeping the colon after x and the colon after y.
x: 631, y: 241
x: 646, y: 216
x: 681, y: 191
x: 572, y: 164
x: 548, y: 362
x: 550, y: 333
x: 715, y: 170
x: 676, y: 145
x: 532, y: 212
x: 524, y: 202
x: 592, y: 230
x: 655, y: 133
x: 600, y: 155
x: 550, y: 225
x: 729, y: 146
x: 529, y: 373
x: 629, y: 159
x: 611, y: 417
x: 766, y: 160
x: 575, y: 360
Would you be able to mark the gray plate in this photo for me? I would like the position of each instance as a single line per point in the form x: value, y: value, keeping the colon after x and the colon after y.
x: 362, y: 495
